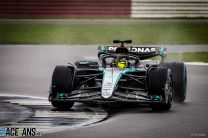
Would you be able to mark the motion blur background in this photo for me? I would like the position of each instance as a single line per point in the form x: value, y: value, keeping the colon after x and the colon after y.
x: 104, y: 8
x: 37, y: 35
x: 94, y: 22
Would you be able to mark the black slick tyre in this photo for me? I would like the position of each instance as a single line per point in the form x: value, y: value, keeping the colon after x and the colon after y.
x: 179, y: 79
x: 62, y: 82
x: 160, y: 83
x: 62, y: 105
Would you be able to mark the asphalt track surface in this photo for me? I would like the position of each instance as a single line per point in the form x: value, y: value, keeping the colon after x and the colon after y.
x: 26, y: 70
x: 18, y: 111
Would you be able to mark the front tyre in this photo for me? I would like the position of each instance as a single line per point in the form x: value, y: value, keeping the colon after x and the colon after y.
x: 162, y: 106
x: 179, y: 79
x: 62, y: 105
x: 62, y: 82
x: 160, y: 83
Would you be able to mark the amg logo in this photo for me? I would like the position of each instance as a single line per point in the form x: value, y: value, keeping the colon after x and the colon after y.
x: 136, y: 49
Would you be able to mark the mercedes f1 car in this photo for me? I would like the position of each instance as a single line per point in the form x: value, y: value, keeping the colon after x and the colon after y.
x: 124, y: 74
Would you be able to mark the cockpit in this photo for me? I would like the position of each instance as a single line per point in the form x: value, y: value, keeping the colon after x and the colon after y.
x: 119, y: 60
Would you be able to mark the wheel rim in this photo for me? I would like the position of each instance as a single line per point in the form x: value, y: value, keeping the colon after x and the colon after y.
x: 168, y: 91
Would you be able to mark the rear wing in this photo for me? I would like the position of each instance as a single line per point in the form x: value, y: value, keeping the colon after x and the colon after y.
x: 141, y: 52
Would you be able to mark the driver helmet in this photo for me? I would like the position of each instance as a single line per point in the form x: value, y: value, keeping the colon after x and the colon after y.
x: 122, y: 63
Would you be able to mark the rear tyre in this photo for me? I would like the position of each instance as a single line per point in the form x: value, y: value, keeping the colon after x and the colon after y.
x: 160, y: 83
x: 62, y: 82
x: 179, y: 79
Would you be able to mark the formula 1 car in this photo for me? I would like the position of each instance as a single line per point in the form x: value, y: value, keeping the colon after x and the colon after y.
x: 124, y: 74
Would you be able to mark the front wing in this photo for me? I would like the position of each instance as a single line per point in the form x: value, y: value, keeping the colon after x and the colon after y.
x: 95, y: 97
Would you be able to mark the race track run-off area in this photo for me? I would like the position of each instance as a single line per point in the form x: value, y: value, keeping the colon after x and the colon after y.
x: 25, y: 75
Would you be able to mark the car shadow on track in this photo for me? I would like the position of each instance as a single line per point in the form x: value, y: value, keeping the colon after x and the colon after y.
x: 114, y: 109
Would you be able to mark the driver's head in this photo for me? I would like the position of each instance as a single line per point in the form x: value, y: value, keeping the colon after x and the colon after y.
x: 122, y: 63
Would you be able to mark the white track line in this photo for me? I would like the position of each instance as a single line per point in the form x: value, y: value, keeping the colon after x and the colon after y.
x: 97, y: 116
x: 196, y: 63
x: 22, y: 96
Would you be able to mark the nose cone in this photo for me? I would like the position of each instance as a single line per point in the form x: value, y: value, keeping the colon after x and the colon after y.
x: 107, y: 89
x: 110, y: 80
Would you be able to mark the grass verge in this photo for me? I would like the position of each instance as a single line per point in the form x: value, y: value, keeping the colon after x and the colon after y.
x: 140, y: 33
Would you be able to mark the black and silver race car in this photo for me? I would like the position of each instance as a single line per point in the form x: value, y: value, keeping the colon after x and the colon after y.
x: 124, y: 74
